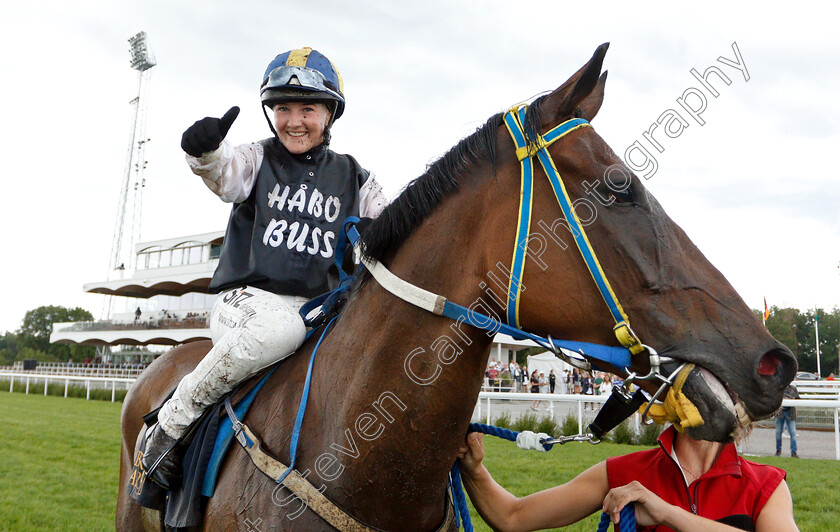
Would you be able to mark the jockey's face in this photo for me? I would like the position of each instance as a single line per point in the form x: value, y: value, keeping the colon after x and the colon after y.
x: 301, y: 125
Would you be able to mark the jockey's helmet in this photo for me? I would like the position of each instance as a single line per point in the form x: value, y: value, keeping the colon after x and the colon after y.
x: 300, y: 75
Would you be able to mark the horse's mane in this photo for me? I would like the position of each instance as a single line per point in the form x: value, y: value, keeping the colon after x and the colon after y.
x: 422, y: 195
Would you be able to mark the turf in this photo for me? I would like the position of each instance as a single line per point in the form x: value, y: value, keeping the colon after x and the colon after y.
x: 59, y: 461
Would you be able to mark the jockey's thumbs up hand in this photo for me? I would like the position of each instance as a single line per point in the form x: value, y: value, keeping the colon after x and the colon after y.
x: 208, y: 133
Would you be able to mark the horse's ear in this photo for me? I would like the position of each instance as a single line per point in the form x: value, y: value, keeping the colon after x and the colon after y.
x: 565, y: 100
x: 590, y: 105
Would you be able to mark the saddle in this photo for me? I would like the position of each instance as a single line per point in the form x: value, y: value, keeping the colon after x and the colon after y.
x: 206, y: 442
x: 209, y: 440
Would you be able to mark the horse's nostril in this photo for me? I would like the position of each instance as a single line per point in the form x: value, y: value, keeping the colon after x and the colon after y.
x: 769, y: 364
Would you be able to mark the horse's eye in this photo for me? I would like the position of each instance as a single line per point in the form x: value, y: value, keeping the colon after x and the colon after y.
x: 623, y: 196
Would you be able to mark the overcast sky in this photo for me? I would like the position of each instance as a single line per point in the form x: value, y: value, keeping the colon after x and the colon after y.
x: 756, y: 187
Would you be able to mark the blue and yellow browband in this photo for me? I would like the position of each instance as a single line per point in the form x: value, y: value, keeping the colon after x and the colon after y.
x: 525, y: 152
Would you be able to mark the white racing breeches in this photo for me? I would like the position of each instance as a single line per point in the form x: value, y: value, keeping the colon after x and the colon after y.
x: 251, y: 329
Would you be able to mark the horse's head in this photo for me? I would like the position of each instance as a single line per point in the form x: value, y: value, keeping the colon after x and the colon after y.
x: 676, y: 301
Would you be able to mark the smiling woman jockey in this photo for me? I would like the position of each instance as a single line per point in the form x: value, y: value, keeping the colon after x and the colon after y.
x: 290, y: 195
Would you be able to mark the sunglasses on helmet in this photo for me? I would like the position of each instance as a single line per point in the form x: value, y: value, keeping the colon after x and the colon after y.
x: 297, y: 76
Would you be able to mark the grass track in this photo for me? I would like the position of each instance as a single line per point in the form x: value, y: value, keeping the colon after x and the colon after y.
x: 59, y: 461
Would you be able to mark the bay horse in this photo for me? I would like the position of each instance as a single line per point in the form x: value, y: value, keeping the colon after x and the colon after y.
x: 394, y: 386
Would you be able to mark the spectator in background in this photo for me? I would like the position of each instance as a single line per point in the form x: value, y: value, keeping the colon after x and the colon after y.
x: 786, y: 415
x: 552, y: 381
x: 492, y: 375
x: 137, y: 314
x: 606, y: 385
x: 543, y: 388
x: 517, y: 377
x: 543, y: 383
x: 504, y: 378
x: 535, y: 388
x: 576, y: 380
x: 586, y: 385
x: 599, y: 378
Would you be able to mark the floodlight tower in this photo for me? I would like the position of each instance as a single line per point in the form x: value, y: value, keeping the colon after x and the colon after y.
x: 129, y: 209
x: 127, y: 229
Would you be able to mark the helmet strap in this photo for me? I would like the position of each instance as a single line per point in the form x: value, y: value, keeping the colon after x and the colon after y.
x: 270, y: 123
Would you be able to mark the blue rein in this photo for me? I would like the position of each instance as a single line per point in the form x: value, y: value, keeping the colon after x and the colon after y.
x: 304, y: 399
x: 616, y: 356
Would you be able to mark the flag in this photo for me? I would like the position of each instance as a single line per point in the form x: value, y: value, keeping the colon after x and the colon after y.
x: 766, y: 310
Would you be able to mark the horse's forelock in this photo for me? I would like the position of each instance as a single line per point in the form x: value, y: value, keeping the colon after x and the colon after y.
x: 533, y: 119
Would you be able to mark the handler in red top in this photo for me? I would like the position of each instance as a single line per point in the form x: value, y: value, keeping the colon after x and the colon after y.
x: 684, y: 485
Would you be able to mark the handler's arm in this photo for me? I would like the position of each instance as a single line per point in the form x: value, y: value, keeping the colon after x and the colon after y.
x: 554, y: 507
x: 777, y: 514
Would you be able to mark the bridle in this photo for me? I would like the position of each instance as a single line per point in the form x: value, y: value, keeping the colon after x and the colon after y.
x: 526, y: 151
x: 528, y: 146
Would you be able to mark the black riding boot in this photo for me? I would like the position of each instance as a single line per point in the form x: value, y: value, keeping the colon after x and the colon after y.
x: 162, y: 458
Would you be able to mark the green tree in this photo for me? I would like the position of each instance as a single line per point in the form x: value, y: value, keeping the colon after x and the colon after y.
x: 796, y: 329
x: 34, y: 334
x: 829, y: 326
x: 8, y: 348
x: 523, y: 354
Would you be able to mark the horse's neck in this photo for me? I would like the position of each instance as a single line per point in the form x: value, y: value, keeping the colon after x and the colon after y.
x: 432, y: 359
x: 409, y: 379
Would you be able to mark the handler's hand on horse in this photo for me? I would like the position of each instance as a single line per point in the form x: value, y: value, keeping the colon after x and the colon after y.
x: 650, y: 509
x: 471, y: 452
x: 208, y: 133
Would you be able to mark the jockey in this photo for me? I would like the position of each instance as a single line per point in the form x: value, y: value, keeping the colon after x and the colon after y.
x: 290, y: 194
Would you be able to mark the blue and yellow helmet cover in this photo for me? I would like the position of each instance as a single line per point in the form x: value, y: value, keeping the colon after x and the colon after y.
x: 303, y: 73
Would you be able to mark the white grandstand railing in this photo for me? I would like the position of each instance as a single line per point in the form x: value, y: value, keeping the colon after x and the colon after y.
x: 29, y: 377
x: 818, y: 389
x: 815, y: 394
x: 78, y: 369
x: 485, y: 408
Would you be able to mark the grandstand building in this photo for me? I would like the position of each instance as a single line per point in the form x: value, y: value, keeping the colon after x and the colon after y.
x: 162, y: 300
